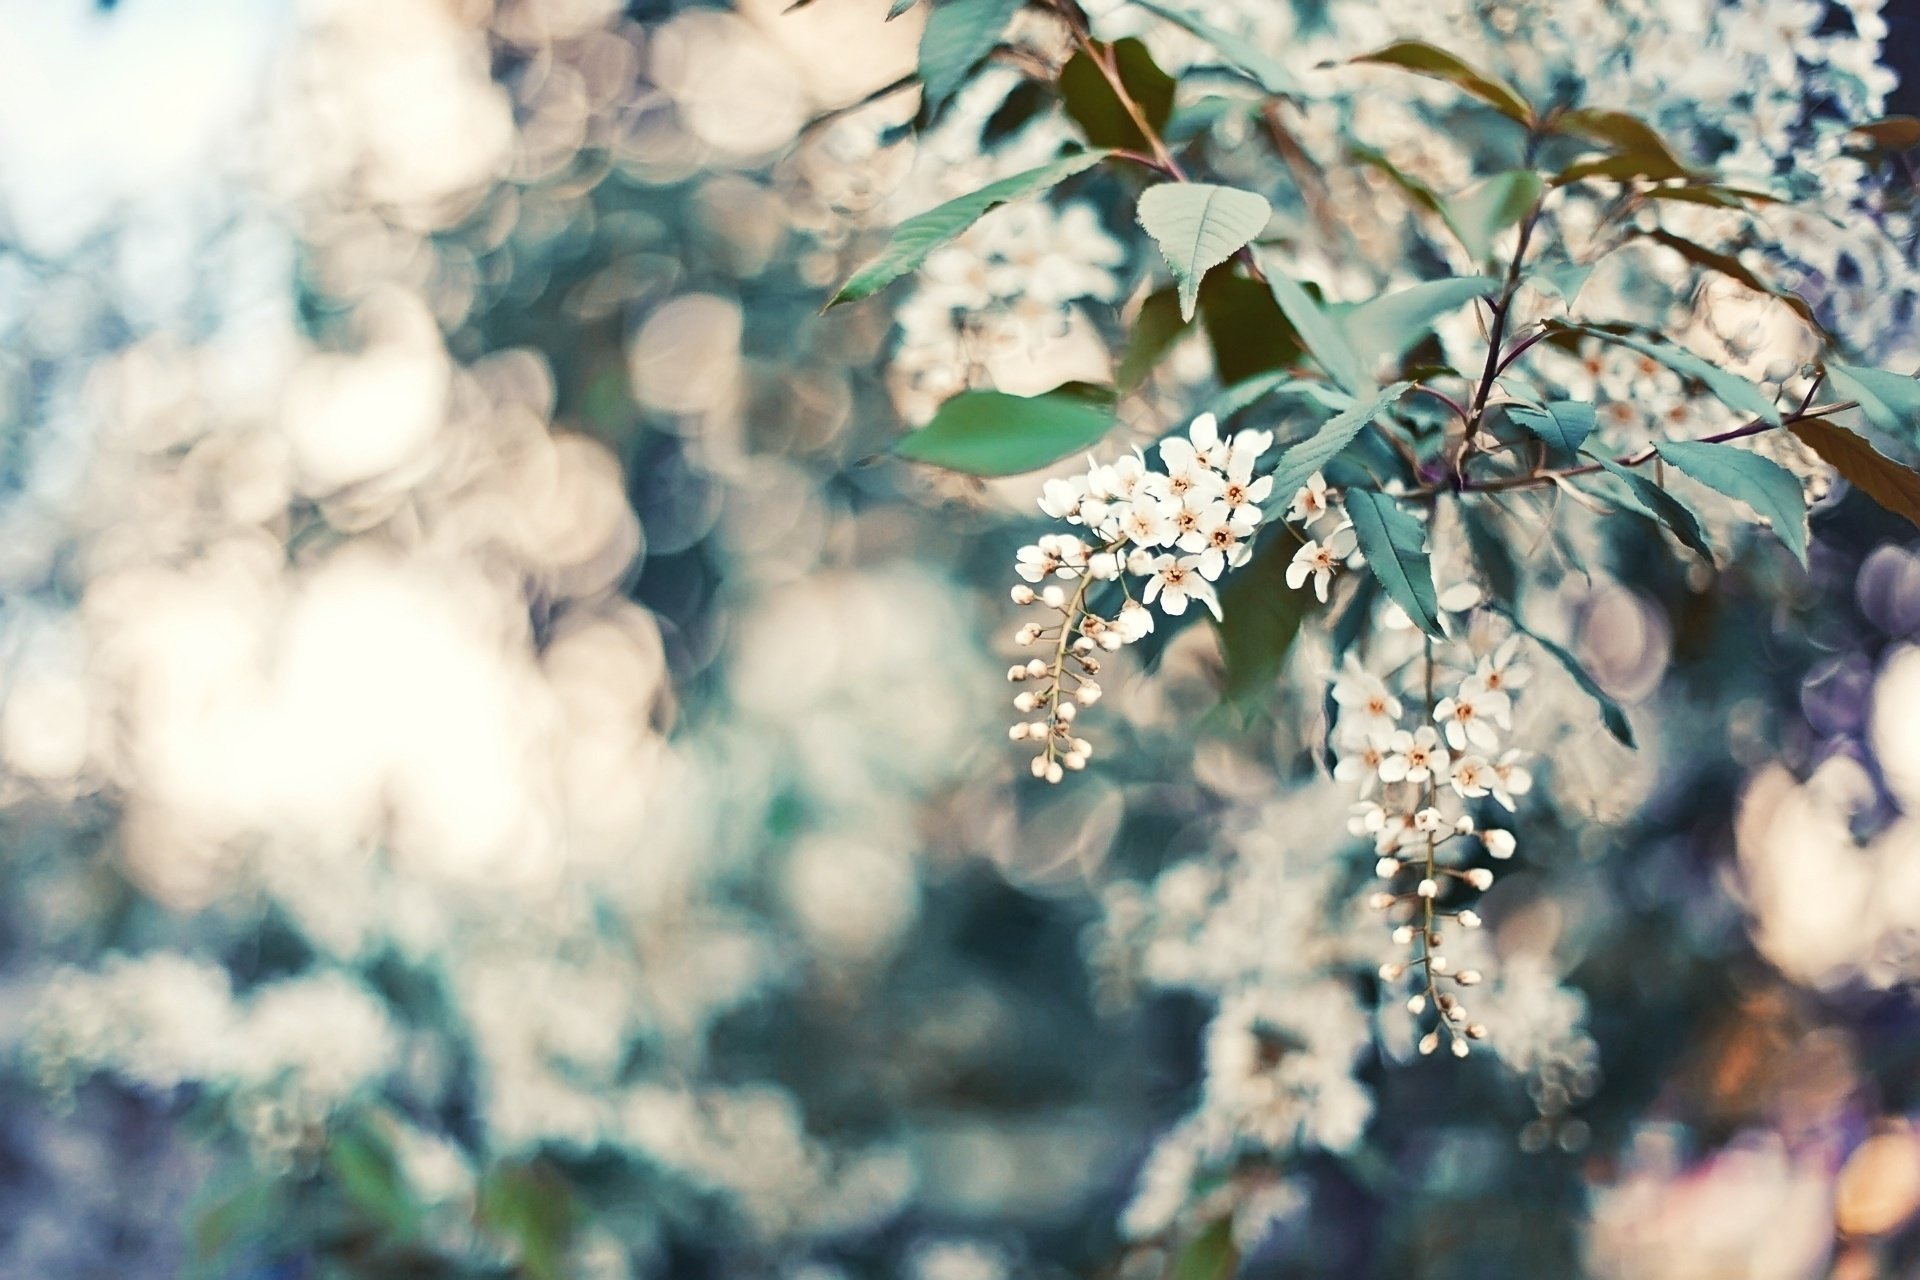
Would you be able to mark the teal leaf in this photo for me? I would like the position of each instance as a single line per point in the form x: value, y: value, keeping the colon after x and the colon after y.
x: 1893, y: 486
x: 1092, y: 104
x: 1245, y: 328
x: 920, y: 235
x: 1491, y: 553
x: 1731, y: 389
x: 1482, y: 212
x: 1394, y: 543
x: 1563, y: 424
x: 1321, y: 335
x: 1565, y: 280
x: 1155, y: 331
x: 959, y: 34
x: 1387, y: 327
x: 991, y: 433
x: 1239, y: 51
x: 1660, y: 506
x: 1301, y: 460
x: 1611, y: 713
x: 899, y: 7
x: 1261, y: 618
x: 1424, y: 59
x: 1198, y: 226
x: 1761, y: 483
x: 1244, y: 395
x: 1891, y: 401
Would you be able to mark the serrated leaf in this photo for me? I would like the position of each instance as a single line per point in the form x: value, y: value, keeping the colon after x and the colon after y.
x: 1261, y: 617
x: 1480, y: 213
x: 1301, y: 460
x: 992, y: 433
x: 1239, y: 51
x: 1492, y: 555
x: 1761, y: 483
x: 1660, y: 506
x: 1155, y: 331
x: 1394, y: 543
x: 1242, y: 395
x: 1321, y: 336
x: 1387, y: 327
x: 920, y: 235
x: 1893, y: 486
x: 1427, y: 60
x: 1092, y: 104
x: 1611, y: 713
x: 1563, y: 424
x: 1891, y: 401
x: 1198, y: 226
x: 1733, y: 390
x: 958, y: 36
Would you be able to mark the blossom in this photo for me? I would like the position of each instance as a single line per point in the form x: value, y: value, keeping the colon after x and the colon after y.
x: 1362, y: 765
x: 1510, y: 779
x: 1176, y: 580
x: 1415, y: 757
x: 1150, y: 522
x: 1499, y: 672
x: 1472, y: 777
x: 1201, y: 450
x: 1320, y: 560
x: 1218, y: 534
x: 1310, y: 501
x: 1364, y: 701
x: 1469, y: 717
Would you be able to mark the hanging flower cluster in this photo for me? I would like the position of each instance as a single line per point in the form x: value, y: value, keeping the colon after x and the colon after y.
x: 1176, y: 530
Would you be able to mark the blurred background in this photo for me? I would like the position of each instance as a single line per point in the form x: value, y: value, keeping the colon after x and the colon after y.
x: 499, y: 775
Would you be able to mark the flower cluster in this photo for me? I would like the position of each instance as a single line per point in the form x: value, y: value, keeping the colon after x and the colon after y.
x: 1413, y: 786
x: 1177, y: 530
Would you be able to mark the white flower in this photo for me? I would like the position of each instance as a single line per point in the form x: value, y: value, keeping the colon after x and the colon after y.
x: 1150, y: 522
x: 1510, y: 779
x: 1033, y: 563
x: 1202, y: 448
x: 1217, y: 537
x: 1499, y: 673
x: 1241, y: 489
x: 1470, y: 717
x: 1243, y: 450
x: 1310, y: 501
x: 1120, y: 481
x: 1362, y: 765
x: 1320, y: 560
x: 1415, y: 757
x: 1472, y: 777
x: 1133, y: 621
x: 1500, y: 844
x: 1175, y: 581
x: 1365, y: 704
x: 1061, y: 499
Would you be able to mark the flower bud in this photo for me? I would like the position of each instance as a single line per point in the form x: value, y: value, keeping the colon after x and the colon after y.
x: 1459, y: 1048
x: 1476, y: 1031
x: 1036, y: 668
x: 1022, y: 593
x: 1111, y: 640
x: 1065, y: 712
x: 1391, y: 971
x: 1082, y: 647
x: 1468, y: 977
x: 1469, y: 919
x: 1027, y: 634
x: 1428, y: 888
x: 1480, y: 878
x: 1403, y: 935
x: 1023, y: 702
x: 1087, y: 694
x: 1416, y: 1003
x: 1387, y: 868
x: 1052, y: 596
x: 1438, y: 964
x: 1429, y: 1042
x: 1017, y: 732
x: 1055, y: 772
x: 1074, y: 761
x: 1039, y: 766
x: 1499, y: 843
x: 1016, y: 673
x: 1380, y: 901
x: 1082, y: 747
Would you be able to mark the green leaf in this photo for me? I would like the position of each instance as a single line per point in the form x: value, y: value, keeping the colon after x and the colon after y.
x: 1563, y: 424
x: 1155, y: 331
x: 1319, y: 333
x: 1387, y: 327
x: 1888, y: 483
x: 1732, y: 389
x: 1417, y: 191
x: 1717, y: 194
x: 920, y: 235
x: 991, y: 433
x: 1394, y: 543
x: 1239, y: 51
x: 1891, y: 401
x: 1761, y: 483
x: 1610, y: 713
x: 1491, y: 553
x: 1023, y: 103
x: 1627, y: 135
x: 1092, y: 104
x: 529, y: 1205
x: 1301, y: 460
x: 1245, y: 327
x: 1728, y: 265
x: 1210, y: 1255
x: 958, y: 36
x: 367, y: 1172
x: 1566, y: 280
x: 1261, y: 619
x: 1891, y: 133
x: 1242, y: 395
x: 899, y: 7
x: 1660, y: 506
x: 1424, y: 59
x: 1480, y: 213
x: 1198, y: 226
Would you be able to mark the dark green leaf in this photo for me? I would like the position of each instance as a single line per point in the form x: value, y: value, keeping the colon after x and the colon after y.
x: 1627, y: 135
x: 1245, y: 328
x: 958, y: 36
x: 991, y: 433
x: 1240, y: 52
x: 1480, y: 213
x: 1761, y: 483
x: 1610, y: 713
x: 367, y: 1172
x: 1394, y: 543
x: 1618, y: 169
x: 1211, y: 1255
x: 1262, y: 617
x: 1092, y: 104
x: 1321, y: 336
x: 1891, y: 133
x: 1888, y: 483
x: 1491, y: 553
x: 1301, y: 460
x: 1563, y: 424
x: 1728, y: 265
x: 529, y: 1205
x: 1717, y: 194
x: 1660, y: 506
x: 1023, y: 102
x: 1427, y: 60
x: 1891, y: 401
x: 1417, y: 191
x: 1387, y: 327
x: 1155, y: 330
x: 1732, y: 389
x: 1242, y: 395
x: 920, y: 235
x: 1198, y: 226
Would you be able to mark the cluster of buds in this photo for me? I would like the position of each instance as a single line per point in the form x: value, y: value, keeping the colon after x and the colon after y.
x: 1171, y: 533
